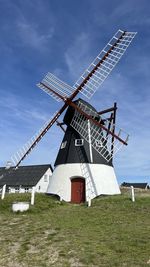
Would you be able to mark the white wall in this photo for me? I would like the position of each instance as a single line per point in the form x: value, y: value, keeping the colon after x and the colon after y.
x: 103, y: 180
x: 42, y: 185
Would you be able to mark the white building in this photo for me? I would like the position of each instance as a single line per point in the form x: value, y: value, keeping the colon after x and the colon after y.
x: 24, y: 178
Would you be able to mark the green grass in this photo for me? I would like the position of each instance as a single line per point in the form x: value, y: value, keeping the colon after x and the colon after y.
x: 113, y: 232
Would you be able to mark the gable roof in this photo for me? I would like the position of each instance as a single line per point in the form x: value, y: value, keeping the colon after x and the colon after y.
x: 23, y: 175
x: 135, y: 185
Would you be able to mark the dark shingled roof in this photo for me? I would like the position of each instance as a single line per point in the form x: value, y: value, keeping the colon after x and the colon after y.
x: 24, y: 175
x: 135, y: 185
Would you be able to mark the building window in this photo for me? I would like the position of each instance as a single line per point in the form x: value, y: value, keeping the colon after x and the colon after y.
x: 99, y: 143
x: 45, y: 178
x: 79, y: 142
x: 63, y: 145
x: 26, y: 189
x: 16, y: 189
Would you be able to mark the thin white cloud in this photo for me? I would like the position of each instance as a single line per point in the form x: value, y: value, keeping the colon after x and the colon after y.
x: 31, y: 36
x: 24, y: 30
x: 16, y: 107
x: 77, y: 55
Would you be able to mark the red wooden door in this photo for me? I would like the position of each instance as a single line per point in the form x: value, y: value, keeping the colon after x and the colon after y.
x: 77, y: 190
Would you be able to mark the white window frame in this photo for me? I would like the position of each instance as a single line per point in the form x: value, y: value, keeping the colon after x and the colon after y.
x: 99, y: 143
x: 78, y: 143
x: 63, y: 144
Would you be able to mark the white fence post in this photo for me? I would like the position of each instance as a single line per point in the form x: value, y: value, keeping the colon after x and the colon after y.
x: 33, y: 195
x: 89, y: 202
x: 132, y: 194
x: 3, y: 191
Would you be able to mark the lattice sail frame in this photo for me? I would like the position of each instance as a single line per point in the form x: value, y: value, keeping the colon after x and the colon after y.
x: 100, y: 140
x: 19, y: 155
x: 56, y: 85
x: 107, y: 65
x: 99, y: 69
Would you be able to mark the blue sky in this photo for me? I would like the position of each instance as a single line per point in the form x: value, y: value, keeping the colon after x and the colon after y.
x: 63, y: 37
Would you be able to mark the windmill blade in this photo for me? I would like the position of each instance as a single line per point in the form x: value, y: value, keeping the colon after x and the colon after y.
x: 104, y: 63
x: 100, y: 139
x: 26, y: 149
x: 17, y: 158
x: 56, y: 88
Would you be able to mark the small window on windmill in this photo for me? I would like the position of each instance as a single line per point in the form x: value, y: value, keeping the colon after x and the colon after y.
x: 99, y: 143
x: 63, y: 145
x: 79, y: 142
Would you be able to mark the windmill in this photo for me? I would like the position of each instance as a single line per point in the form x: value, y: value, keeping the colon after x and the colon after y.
x: 83, y: 167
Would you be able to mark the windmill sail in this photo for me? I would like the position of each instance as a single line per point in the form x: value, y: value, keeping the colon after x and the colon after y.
x: 101, y: 140
x: 94, y: 75
x: 104, y: 63
x: 59, y: 89
x: 17, y: 158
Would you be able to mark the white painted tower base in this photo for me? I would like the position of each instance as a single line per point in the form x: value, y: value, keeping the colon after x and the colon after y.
x: 102, y: 179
